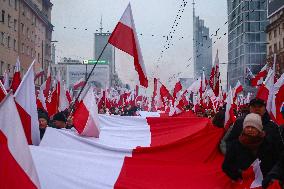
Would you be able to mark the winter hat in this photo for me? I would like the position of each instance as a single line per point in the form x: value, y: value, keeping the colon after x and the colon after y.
x: 253, y: 120
x: 59, y: 117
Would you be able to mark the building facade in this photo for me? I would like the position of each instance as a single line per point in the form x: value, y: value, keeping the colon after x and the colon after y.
x: 101, y: 39
x: 25, y: 32
x: 247, y: 21
x: 202, y: 47
x: 275, y: 34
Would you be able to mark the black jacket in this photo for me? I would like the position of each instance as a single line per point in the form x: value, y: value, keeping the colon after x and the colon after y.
x: 239, y: 158
x: 273, y: 132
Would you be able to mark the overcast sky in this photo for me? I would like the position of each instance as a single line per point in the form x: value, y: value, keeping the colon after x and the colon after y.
x: 152, y: 17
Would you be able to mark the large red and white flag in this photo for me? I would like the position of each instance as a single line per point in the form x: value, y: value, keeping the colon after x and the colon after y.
x: 277, y: 101
x: 63, y: 102
x: 264, y: 89
x: 3, y: 91
x: 86, y: 120
x: 131, y: 152
x: 238, y: 88
x: 17, y: 168
x: 215, y: 76
x: 124, y: 37
x: 17, y: 76
x: 25, y: 98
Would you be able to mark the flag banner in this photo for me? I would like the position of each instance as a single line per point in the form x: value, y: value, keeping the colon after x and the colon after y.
x: 132, y: 152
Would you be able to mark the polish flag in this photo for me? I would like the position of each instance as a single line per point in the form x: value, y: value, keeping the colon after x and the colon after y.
x: 6, y: 81
x: 277, y: 101
x: 238, y: 88
x: 257, y: 80
x: 47, y: 83
x: 124, y: 37
x: 230, y: 118
x: 41, y: 98
x: 63, y: 102
x: 3, y: 92
x: 39, y: 74
x: 17, y: 76
x: 161, y: 152
x: 177, y: 90
x: 215, y: 76
x: 80, y: 83
x: 25, y: 98
x: 86, y: 119
x: 17, y: 168
x: 264, y: 89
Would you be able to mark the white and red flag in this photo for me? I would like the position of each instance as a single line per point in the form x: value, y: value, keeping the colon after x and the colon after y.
x: 17, y: 166
x: 86, y: 119
x: 3, y: 91
x: 39, y: 74
x: 230, y: 118
x: 25, y: 98
x: 80, y: 83
x: 17, y: 76
x: 6, y: 81
x: 258, y: 79
x: 264, y: 89
x: 177, y: 90
x: 124, y: 37
x: 47, y: 83
x: 215, y: 76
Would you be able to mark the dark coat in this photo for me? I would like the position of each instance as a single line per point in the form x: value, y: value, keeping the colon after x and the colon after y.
x: 239, y: 158
x: 273, y: 132
x: 277, y: 172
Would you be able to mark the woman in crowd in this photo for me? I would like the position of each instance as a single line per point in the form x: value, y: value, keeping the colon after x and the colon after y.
x: 253, y: 143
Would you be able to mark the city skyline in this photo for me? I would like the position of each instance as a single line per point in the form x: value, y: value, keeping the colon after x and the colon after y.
x: 152, y: 24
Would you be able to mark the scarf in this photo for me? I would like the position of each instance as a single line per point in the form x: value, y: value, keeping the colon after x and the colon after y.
x: 251, y: 142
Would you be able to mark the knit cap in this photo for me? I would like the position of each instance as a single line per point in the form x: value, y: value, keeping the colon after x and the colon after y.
x: 253, y: 120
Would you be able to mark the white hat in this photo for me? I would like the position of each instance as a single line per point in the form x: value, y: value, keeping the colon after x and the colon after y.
x: 253, y: 120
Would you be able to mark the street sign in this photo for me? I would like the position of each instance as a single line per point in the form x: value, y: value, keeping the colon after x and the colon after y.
x: 101, y: 62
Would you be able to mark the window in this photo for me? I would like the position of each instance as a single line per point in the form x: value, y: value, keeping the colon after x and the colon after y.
x: 15, y: 24
x: 3, y: 16
x: 1, y: 68
x: 23, y: 48
x: 16, y: 4
x: 15, y: 45
x: 9, y: 20
x: 10, y: 2
x: 28, y: 32
x: 2, y: 38
x: 23, y: 27
x: 275, y: 47
x: 275, y: 33
x: 9, y: 42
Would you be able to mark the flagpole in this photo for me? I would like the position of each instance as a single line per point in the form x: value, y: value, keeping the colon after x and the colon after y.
x: 87, y: 79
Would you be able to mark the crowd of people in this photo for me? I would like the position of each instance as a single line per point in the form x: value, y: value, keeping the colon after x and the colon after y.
x: 252, y: 136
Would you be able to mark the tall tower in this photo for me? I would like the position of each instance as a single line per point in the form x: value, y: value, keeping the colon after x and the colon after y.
x: 101, y: 25
x: 202, y: 47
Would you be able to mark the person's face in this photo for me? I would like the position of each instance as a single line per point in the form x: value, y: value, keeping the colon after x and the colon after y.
x: 258, y: 109
x: 59, y: 124
x: 251, y: 131
x: 42, y: 123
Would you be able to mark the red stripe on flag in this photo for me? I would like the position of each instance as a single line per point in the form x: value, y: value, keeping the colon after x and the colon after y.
x: 81, y: 116
x: 26, y: 122
x: 11, y: 174
x: 123, y: 38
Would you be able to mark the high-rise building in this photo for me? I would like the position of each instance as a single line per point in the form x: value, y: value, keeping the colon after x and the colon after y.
x: 247, y: 20
x: 25, y: 32
x: 275, y: 34
x: 202, y: 47
x: 101, y: 39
